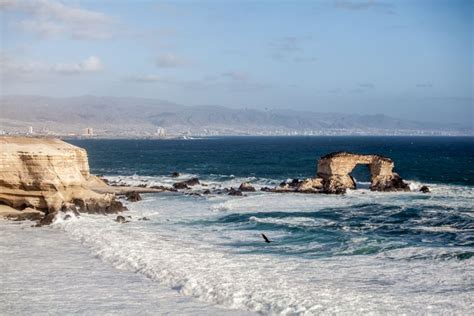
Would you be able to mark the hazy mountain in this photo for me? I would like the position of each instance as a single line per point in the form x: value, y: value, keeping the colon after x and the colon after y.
x: 140, y: 116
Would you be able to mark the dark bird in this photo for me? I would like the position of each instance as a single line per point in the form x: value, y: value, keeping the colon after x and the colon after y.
x: 266, y: 239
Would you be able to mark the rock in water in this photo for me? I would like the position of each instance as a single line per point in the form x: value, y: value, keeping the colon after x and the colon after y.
x: 175, y: 174
x: 246, y: 187
x: 133, y: 196
x: 186, y: 184
x: 49, y: 175
x: 311, y: 185
x: 180, y: 186
x: 120, y: 219
x: 235, y: 192
x: 425, y: 189
x: 334, y: 169
x: 193, y: 181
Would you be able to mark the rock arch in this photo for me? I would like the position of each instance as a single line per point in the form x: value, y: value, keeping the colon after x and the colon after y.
x: 334, y: 172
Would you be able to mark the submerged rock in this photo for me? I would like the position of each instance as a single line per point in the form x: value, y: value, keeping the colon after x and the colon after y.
x: 193, y: 181
x: 120, y: 219
x: 186, y: 184
x: 180, y: 186
x: 425, y: 189
x: 163, y: 188
x: 175, y: 174
x: 235, y: 192
x: 133, y: 196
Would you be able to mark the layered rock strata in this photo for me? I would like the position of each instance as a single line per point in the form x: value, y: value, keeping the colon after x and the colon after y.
x: 50, y: 175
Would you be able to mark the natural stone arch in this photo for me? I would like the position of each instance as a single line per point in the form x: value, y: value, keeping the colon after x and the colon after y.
x: 334, y: 171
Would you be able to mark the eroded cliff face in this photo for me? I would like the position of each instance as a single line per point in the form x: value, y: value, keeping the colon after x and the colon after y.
x: 49, y: 175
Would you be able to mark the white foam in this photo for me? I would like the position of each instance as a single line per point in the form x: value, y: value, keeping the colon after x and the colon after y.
x: 210, y: 181
x: 44, y: 272
x: 292, y: 221
x: 197, y: 261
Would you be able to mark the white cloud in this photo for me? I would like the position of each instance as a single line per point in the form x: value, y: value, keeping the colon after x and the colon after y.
x: 170, y: 60
x: 91, y: 64
x: 14, y: 67
x: 53, y: 18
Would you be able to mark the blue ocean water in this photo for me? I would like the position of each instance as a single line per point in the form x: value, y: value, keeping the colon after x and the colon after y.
x: 384, y: 226
x: 431, y: 159
x: 369, y: 251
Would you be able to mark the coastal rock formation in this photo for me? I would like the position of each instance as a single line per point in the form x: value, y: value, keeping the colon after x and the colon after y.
x: 288, y: 186
x: 425, y: 189
x: 235, y: 192
x: 246, y: 187
x: 334, y: 172
x: 51, y: 176
x: 186, y: 184
x: 311, y: 185
x: 133, y: 196
x: 333, y: 175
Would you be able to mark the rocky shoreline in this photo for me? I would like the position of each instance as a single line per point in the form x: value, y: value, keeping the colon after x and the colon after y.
x: 40, y: 177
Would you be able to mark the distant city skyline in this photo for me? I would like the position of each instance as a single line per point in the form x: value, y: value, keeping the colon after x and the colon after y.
x: 407, y: 59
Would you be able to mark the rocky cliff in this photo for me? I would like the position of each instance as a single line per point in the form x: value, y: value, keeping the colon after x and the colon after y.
x: 51, y: 176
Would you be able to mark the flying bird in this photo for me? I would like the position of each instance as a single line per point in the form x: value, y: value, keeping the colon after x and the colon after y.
x: 266, y: 239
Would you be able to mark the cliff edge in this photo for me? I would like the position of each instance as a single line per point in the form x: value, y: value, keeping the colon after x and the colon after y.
x: 49, y: 175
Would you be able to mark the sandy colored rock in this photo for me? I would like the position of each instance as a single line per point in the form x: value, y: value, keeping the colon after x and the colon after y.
x: 48, y: 175
x: 334, y: 171
x: 26, y: 214
x: 310, y: 185
x: 246, y: 187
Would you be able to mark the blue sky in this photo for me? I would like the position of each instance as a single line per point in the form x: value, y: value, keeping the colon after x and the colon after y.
x: 408, y: 59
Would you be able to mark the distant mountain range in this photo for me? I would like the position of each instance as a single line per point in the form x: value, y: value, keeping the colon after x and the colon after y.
x: 129, y: 116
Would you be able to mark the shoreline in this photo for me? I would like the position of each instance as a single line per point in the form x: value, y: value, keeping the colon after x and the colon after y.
x: 38, y: 265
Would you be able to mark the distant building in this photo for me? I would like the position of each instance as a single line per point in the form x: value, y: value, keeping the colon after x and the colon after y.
x: 30, y: 130
x: 88, y: 131
x: 160, y: 132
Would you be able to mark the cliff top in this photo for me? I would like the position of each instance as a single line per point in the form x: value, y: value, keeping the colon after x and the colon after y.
x: 346, y: 154
x: 10, y: 144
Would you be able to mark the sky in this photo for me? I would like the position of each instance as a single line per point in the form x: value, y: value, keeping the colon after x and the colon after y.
x: 408, y: 59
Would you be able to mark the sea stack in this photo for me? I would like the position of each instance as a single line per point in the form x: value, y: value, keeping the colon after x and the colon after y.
x: 49, y: 175
x: 334, y: 172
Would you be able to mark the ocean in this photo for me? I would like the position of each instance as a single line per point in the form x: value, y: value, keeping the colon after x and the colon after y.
x: 358, y: 253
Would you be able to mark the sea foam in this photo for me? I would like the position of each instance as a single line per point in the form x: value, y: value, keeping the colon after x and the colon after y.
x: 220, y: 258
